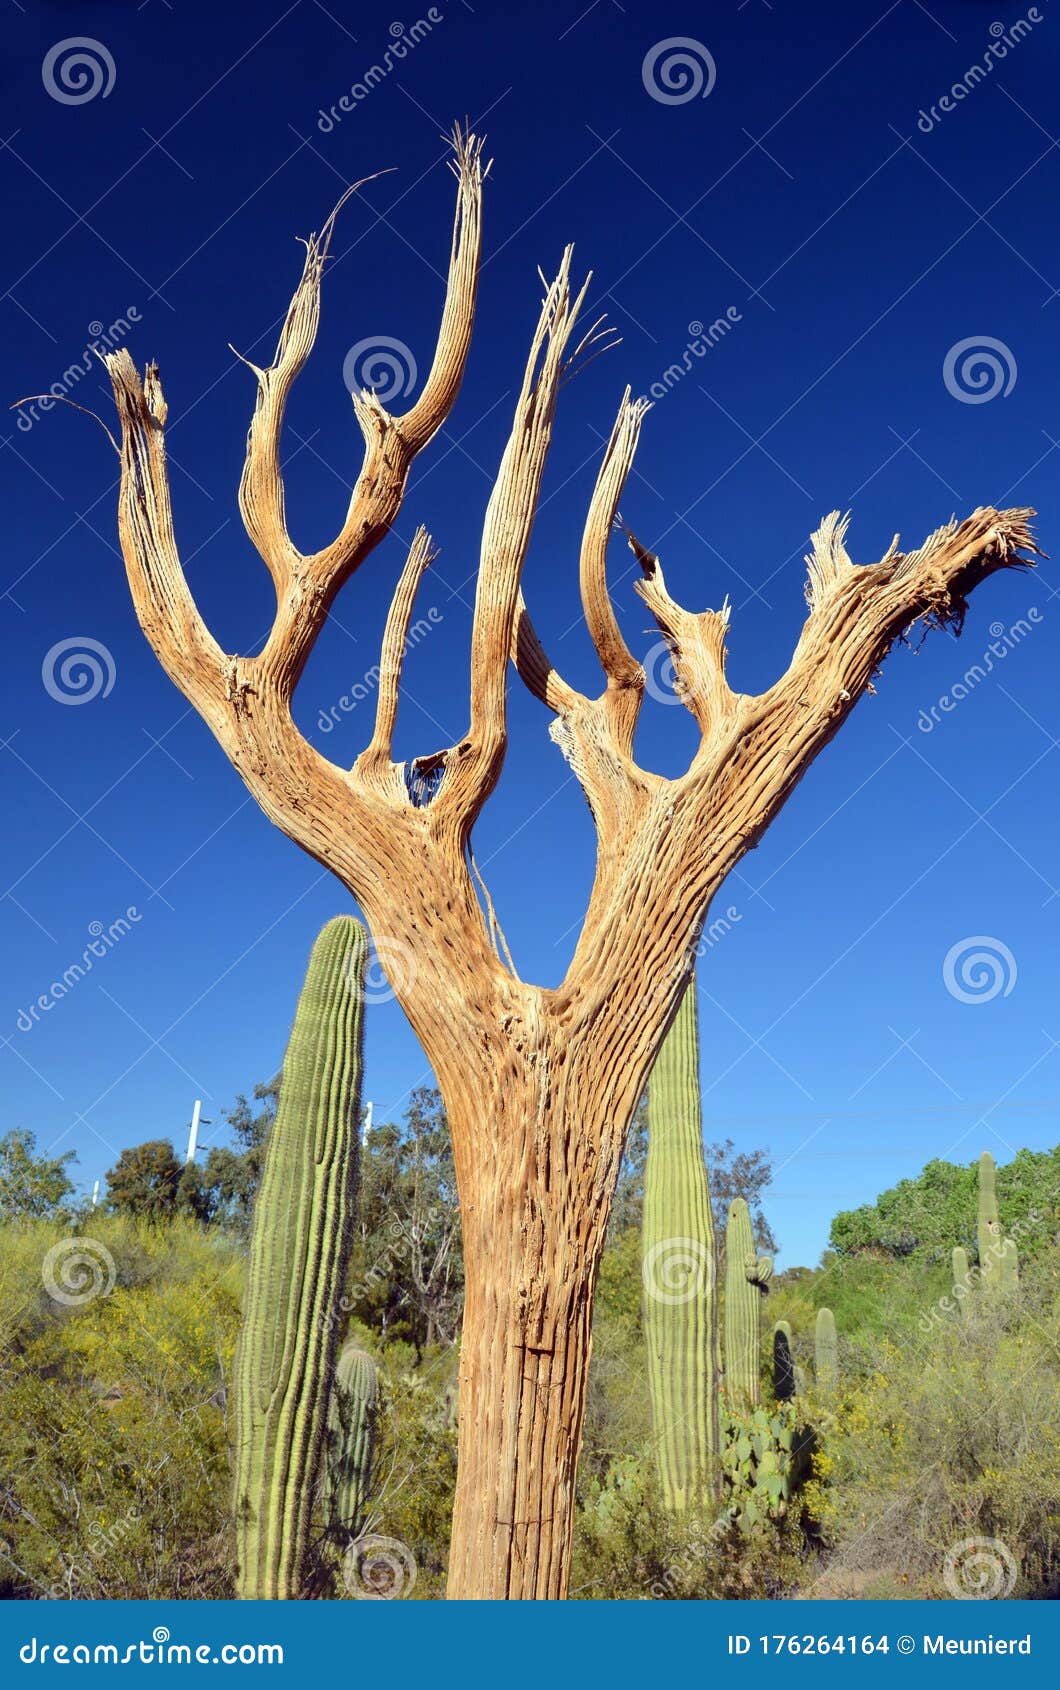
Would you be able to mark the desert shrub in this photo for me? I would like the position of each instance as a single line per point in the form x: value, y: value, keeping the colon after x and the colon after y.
x: 113, y: 1458
x: 953, y: 1436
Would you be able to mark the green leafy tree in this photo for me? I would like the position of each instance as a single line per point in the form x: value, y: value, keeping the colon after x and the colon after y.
x: 31, y: 1186
x: 937, y: 1209
x: 407, y: 1275
x: 232, y: 1173
x: 147, y: 1180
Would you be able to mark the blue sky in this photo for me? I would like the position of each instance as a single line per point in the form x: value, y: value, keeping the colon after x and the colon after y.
x: 861, y: 252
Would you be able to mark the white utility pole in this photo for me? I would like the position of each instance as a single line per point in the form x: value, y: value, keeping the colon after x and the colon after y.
x: 367, y: 1126
x: 193, y: 1136
x: 95, y: 1194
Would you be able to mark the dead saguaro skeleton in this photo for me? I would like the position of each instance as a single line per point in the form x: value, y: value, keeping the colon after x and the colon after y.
x: 539, y: 1085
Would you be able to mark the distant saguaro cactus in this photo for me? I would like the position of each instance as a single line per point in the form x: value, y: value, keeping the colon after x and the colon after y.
x: 997, y: 1254
x: 351, y: 1441
x: 961, y: 1283
x: 747, y: 1277
x: 299, y: 1252
x: 825, y: 1350
x: 783, y: 1363
x: 678, y: 1267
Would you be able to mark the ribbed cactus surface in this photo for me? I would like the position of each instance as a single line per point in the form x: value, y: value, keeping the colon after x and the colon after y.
x: 351, y: 1441
x: 678, y: 1264
x: 747, y: 1277
x: 825, y: 1350
x: 299, y: 1252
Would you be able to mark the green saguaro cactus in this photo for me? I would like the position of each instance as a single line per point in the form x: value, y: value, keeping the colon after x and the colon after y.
x: 962, y: 1288
x: 825, y: 1350
x: 747, y: 1277
x: 351, y: 1441
x: 991, y: 1243
x: 299, y: 1252
x: 678, y: 1269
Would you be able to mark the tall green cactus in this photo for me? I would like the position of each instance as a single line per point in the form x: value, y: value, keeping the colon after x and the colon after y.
x: 783, y: 1363
x: 351, y: 1441
x: 1010, y: 1268
x: 825, y: 1350
x: 747, y: 1277
x: 678, y: 1269
x: 995, y: 1265
x: 299, y: 1253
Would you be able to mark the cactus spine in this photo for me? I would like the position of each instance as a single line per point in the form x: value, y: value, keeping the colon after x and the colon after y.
x: 678, y: 1269
x: 299, y: 1252
x: 825, y: 1350
x: 783, y: 1363
x: 747, y: 1277
x: 351, y: 1441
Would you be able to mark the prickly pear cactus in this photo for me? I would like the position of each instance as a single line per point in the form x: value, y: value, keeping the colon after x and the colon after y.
x: 760, y: 1464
